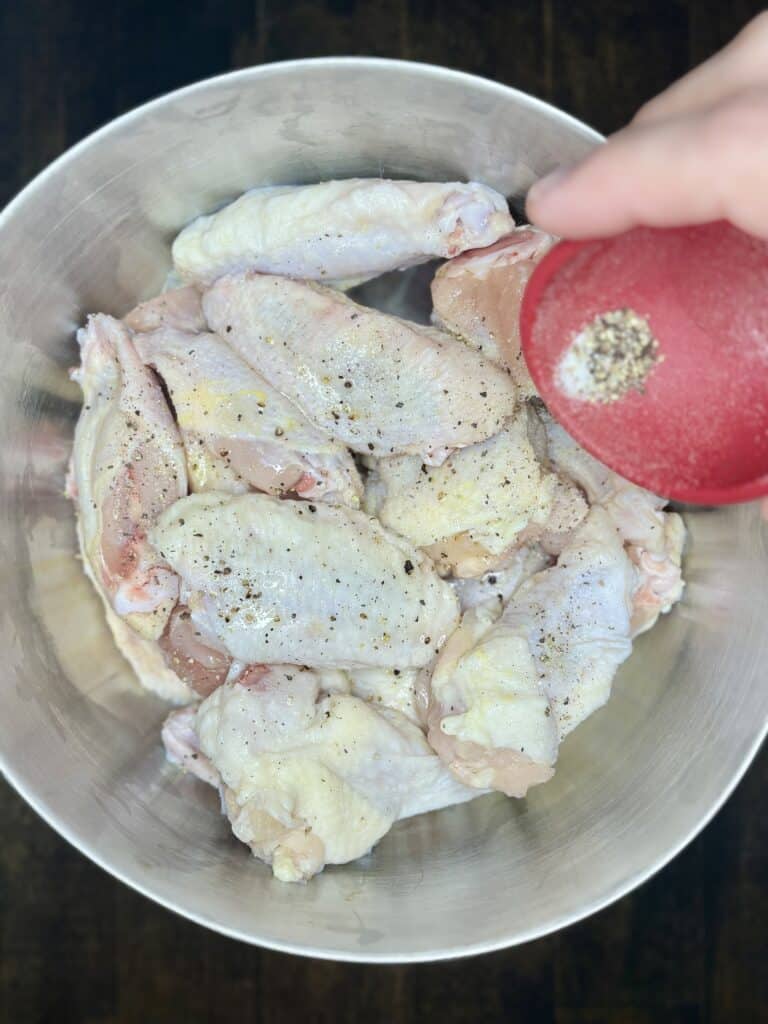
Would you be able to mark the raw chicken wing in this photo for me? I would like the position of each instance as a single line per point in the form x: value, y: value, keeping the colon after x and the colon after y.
x: 403, y: 690
x: 127, y: 466
x: 322, y: 585
x: 506, y: 690
x: 376, y: 383
x: 470, y: 512
x: 238, y: 431
x: 654, y: 538
x: 341, y: 231
x: 478, y: 296
x: 310, y: 778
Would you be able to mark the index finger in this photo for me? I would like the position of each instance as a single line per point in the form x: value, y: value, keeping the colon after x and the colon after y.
x: 687, y: 170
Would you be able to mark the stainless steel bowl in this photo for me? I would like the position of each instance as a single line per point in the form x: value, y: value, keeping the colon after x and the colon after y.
x: 79, y: 740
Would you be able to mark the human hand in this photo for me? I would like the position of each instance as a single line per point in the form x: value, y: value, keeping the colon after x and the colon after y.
x: 696, y: 153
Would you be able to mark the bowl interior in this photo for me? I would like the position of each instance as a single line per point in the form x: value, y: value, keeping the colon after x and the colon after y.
x: 77, y: 736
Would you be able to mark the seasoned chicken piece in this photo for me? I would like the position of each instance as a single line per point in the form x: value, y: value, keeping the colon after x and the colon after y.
x: 654, y: 538
x: 387, y: 477
x: 378, y: 384
x: 478, y: 296
x: 127, y: 466
x: 180, y: 309
x: 403, y: 690
x: 238, y: 430
x: 341, y: 230
x: 489, y: 718
x: 193, y: 655
x: 506, y: 690
x: 309, y: 778
x: 470, y: 512
x: 495, y: 588
x: 322, y: 585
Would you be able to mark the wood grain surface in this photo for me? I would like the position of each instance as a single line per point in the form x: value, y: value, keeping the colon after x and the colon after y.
x: 77, y: 946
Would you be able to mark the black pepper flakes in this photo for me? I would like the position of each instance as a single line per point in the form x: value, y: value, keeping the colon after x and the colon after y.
x: 613, y: 355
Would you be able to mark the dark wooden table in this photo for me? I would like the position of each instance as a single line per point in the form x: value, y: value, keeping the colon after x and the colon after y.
x: 77, y: 946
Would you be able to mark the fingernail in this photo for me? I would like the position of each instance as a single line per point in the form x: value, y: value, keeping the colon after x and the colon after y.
x: 542, y: 188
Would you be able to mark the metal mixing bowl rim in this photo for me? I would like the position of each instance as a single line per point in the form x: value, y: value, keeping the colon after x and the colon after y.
x: 50, y: 816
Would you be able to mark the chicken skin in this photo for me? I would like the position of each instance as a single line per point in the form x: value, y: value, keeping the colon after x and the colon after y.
x: 240, y: 433
x: 127, y: 466
x: 378, y: 384
x: 341, y: 231
x: 309, y: 778
x: 180, y: 309
x: 469, y: 513
x: 506, y: 690
x: 478, y: 295
x: 654, y: 538
x: 277, y: 580
x: 403, y: 690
